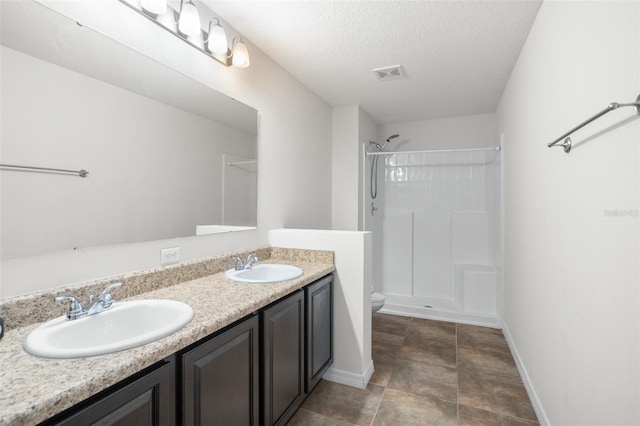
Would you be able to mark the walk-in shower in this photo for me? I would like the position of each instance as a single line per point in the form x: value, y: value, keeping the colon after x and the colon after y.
x: 435, y: 220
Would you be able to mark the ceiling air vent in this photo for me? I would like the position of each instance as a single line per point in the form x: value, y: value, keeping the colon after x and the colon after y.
x: 389, y: 73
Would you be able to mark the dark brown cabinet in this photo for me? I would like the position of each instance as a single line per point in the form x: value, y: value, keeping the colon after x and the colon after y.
x: 283, y: 358
x: 319, y: 324
x: 147, y: 398
x: 220, y: 378
x: 297, y: 348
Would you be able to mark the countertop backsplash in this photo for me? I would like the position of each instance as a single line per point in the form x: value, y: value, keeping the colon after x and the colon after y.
x: 38, y: 307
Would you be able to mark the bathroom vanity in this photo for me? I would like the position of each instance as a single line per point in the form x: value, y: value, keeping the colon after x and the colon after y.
x: 216, y: 381
x: 251, y: 355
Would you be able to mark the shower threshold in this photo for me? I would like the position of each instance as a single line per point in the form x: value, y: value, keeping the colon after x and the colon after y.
x: 441, y: 310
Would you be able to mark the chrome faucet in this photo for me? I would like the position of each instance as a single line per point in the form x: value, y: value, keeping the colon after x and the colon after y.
x: 104, y: 302
x: 251, y: 259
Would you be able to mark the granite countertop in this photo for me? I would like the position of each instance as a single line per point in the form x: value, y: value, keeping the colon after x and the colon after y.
x: 34, y: 389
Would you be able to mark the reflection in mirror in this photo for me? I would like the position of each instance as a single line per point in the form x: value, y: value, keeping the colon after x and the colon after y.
x: 165, y: 154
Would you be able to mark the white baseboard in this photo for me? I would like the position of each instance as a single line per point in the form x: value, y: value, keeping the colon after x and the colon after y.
x: 533, y: 396
x: 348, y: 378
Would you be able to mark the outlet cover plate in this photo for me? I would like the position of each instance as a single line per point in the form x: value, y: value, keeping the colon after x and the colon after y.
x: 170, y: 255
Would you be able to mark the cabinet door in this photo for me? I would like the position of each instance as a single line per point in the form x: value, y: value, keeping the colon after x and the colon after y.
x: 283, y: 340
x: 221, y: 378
x: 148, y: 400
x: 319, y: 343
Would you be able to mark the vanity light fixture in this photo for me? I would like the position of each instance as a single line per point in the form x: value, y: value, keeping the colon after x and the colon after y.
x: 186, y: 25
x: 240, y: 54
x: 217, y: 38
x: 157, y: 7
x: 189, y: 19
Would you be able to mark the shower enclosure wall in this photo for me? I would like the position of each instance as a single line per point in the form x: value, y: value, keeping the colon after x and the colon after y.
x: 436, y: 226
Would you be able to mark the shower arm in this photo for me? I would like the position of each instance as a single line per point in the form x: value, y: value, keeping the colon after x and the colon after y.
x: 380, y: 148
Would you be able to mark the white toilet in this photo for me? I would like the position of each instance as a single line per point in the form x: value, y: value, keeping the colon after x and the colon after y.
x: 377, y: 301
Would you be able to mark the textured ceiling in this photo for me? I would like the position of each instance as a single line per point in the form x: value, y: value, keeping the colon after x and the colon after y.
x: 457, y: 55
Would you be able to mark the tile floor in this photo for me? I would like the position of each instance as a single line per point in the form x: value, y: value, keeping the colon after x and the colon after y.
x: 427, y: 373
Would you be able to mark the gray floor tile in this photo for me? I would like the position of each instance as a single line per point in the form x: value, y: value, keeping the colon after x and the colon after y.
x: 345, y: 403
x: 498, y: 395
x: 402, y: 408
x: 468, y: 416
x: 482, y: 338
x: 428, y: 351
x: 390, y: 324
x: 383, y: 367
x: 309, y: 418
x: 432, y: 331
x: 395, y: 339
x: 487, y: 362
x: 425, y: 379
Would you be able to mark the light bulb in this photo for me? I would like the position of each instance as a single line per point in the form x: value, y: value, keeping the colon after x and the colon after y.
x: 240, y: 55
x: 217, y: 39
x: 157, y: 7
x: 189, y: 20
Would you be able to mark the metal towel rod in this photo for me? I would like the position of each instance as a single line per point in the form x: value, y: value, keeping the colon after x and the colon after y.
x: 566, y: 144
x: 238, y: 163
x: 82, y: 173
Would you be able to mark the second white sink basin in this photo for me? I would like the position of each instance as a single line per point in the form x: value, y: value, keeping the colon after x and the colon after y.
x: 125, y: 325
x: 265, y: 273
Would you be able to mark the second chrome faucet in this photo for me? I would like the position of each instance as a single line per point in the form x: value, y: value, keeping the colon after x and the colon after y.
x: 240, y: 265
x: 76, y: 311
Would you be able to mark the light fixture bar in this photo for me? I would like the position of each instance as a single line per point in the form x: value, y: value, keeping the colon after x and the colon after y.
x: 169, y: 21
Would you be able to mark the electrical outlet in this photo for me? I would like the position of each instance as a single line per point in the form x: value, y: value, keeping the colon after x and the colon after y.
x: 170, y: 255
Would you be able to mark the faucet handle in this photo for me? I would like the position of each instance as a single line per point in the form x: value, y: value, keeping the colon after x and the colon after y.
x: 239, y: 263
x: 251, y: 259
x: 105, y: 297
x: 75, y: 308
x: 111, y: 287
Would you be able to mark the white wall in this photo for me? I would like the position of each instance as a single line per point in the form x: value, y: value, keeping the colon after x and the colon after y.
x: 344, y: 177
x: 352, y: 363
x: 352, y: 127
x: 367, y: 130
x: 472, y: 131
x: 294, y: 150
x: 571, y: 267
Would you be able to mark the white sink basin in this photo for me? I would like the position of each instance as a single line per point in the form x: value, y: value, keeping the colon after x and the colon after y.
x: 124, y: 326
x: 265, y: 273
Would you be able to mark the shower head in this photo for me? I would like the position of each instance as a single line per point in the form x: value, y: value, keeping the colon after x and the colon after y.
x: 381, y: 147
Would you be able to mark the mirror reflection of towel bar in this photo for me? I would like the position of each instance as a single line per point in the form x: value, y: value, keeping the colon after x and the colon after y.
x: 82, y: 173
x: 237, y: 163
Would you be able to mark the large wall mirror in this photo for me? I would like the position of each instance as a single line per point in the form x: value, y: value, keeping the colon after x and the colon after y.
x: 167, y: 156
